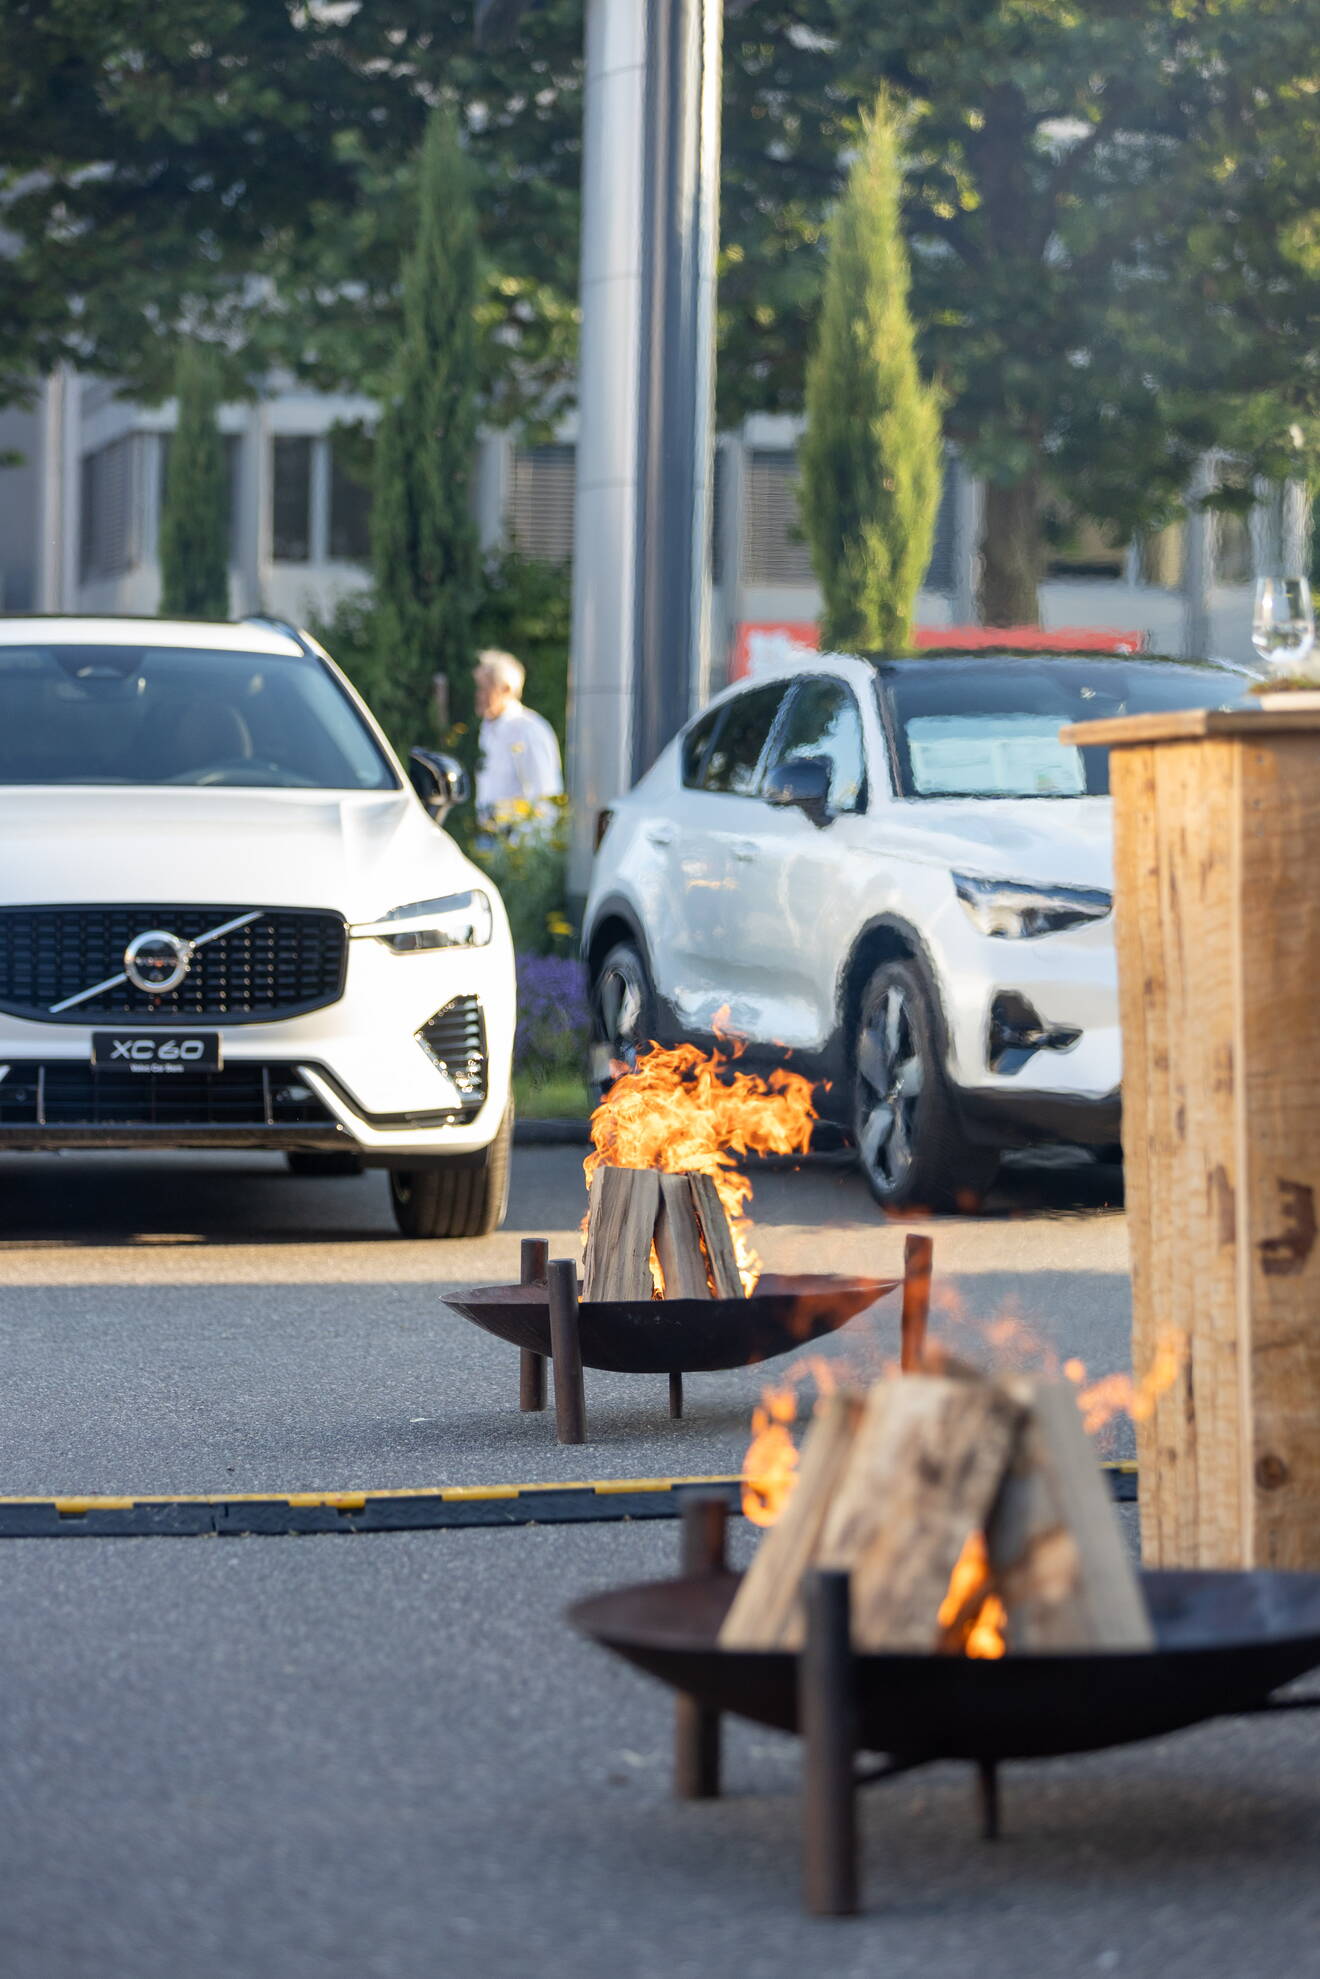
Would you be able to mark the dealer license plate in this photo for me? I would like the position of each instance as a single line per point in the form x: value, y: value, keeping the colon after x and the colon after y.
x: 155, y: 1052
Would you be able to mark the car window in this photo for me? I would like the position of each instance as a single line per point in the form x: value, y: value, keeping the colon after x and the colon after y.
x: 823, y: 719
x: 695, y: 744
x: 988, y: 725
x: 733, y: 763
x: 87, y: 714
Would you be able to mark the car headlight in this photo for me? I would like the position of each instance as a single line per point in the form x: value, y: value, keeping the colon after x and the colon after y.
x: 460, y: 920
x: 1013, y: 910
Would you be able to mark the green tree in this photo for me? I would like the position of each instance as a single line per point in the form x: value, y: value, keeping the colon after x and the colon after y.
x: 194, y: 516
x: 870, y: 457
x: 423, y: 537
x: 1107, y: 216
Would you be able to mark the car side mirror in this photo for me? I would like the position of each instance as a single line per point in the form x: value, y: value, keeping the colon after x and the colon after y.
x: 439, y: 780
x: 801, y: 783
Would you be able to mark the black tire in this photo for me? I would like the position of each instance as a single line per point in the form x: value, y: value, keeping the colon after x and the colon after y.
x: 465, y: 1198
x: 910, y: 1146
x: 323, y: 1161
x: 623, y: 1003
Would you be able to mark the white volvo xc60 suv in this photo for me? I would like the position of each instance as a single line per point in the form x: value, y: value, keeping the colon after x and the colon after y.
x: 898, y: 879
x: 229, y: 919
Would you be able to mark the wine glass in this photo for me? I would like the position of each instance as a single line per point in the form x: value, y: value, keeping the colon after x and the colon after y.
x: 1283, y: 625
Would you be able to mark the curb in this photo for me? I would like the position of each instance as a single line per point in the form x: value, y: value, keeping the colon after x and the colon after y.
x: 255, y: 1514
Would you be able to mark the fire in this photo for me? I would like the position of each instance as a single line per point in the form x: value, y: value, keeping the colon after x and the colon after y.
x: 1117, y: 1394
x: 972, y: 1616
x: 686, y: 1111
x: 770, y: 1466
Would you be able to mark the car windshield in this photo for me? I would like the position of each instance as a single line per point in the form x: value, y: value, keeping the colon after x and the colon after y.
x: 170, y: 715
x: 989, y: 726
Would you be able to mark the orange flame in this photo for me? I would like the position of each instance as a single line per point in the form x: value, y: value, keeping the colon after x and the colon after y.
x: 770, y: 1466
x: 971, y: 1616
x: 686, y: 1112
x: 1117, y: 1394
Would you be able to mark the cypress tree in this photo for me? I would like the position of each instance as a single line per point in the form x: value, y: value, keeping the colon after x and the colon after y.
x: 194, y: 515
x: 869, y: 463
x: 423, y: 536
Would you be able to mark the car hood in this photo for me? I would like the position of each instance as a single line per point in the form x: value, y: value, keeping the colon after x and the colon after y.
x: 1061, y: 840
x: 360, y: 853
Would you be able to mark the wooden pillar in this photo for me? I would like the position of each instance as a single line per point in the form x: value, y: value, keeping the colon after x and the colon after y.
x: 1217, y: 909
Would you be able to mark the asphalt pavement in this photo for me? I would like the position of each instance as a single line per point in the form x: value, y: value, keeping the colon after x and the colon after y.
x: 387, y: 1756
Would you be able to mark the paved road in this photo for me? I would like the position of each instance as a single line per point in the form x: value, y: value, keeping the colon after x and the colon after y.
x: 386, y: 1757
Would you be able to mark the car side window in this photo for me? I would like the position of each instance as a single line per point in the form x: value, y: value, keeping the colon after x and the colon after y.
x: 823, y: 719
x: 695, y: 744
x: 733, y: 763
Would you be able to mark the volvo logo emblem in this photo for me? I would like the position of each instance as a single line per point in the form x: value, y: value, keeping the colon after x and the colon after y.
x: 157, y: 962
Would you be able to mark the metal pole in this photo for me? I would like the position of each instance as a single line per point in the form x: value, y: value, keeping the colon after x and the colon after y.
x: 827, y: 1722
x: 675, y: 1396
x: 918, y: 1254
x: 675, y: 446
x: 696, y: 1725
x: 535, y: 1262
x: 566, y: 1348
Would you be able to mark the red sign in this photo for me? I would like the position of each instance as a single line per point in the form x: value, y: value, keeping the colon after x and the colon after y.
x: 769, y: 645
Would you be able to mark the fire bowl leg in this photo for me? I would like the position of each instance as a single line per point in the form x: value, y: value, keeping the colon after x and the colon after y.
x: 676, y: 1396
x: 827, y: 1721
x: 918, y: 1255
x: 566, y: 1351
x: 697, y: 1726
x: 987, y: 1798
x: 531, y: 1367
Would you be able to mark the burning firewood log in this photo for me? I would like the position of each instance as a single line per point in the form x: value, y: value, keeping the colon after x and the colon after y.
x: 971, y: 1514
x: 634, y: 1209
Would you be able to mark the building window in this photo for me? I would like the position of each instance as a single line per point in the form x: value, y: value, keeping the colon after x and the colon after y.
x: 774, y: 550
x: 540, y: 518
x: 291, y: 499
x: 350, y: 500
x: 108, y: 523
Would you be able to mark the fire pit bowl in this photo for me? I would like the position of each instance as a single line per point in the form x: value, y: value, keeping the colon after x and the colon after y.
x: 1224, y: 1642
x: 679, y: 1336
x: 545, y: 1318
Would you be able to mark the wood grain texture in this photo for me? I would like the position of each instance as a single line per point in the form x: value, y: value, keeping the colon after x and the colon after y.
x: 923, y: 1472
x: 1278, y: 1101
x: 717, y: 1238
x: 767, y: 1611
x: 621, y: 1225
x: 1192, y: 725
x: 1053, y: 1540
x: 678, y: 1241
x: 1217, y: 902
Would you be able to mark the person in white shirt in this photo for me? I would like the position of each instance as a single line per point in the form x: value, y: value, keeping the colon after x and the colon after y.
x: 519, y: 749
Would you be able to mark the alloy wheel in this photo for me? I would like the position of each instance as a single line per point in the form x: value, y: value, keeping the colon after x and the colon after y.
x: 890, y: 1078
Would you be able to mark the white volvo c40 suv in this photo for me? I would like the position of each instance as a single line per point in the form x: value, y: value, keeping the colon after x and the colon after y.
x: 229, y: 919
x: 898, y: 880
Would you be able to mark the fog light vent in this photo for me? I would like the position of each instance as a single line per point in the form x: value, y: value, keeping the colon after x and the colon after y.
x: 1018, y: 1032
x: 455, y: 1042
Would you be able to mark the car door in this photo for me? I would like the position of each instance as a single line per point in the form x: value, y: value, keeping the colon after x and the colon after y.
x: 718, y: 809
x: 799, y: 884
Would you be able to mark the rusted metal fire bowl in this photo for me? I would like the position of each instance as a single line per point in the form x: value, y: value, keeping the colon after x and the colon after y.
x: 1224, y: 1642
x: 679, y: 1336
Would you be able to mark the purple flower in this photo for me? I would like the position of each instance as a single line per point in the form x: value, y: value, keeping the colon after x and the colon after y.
x: 554, y: 1022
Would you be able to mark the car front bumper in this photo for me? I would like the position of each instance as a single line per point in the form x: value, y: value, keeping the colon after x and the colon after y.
x: 356, y: 1074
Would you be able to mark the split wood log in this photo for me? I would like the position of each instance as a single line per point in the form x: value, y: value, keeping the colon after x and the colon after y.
x: 678, y: 1241
x: 717, y: 1238
x: 924, y: 1470
x: 620, y: 1229
x: 1054, y: 1548
x: 767, y: 1611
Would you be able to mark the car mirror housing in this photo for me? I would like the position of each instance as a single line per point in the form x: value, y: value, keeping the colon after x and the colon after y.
x: 439, y: 780
x: 801, y: 783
